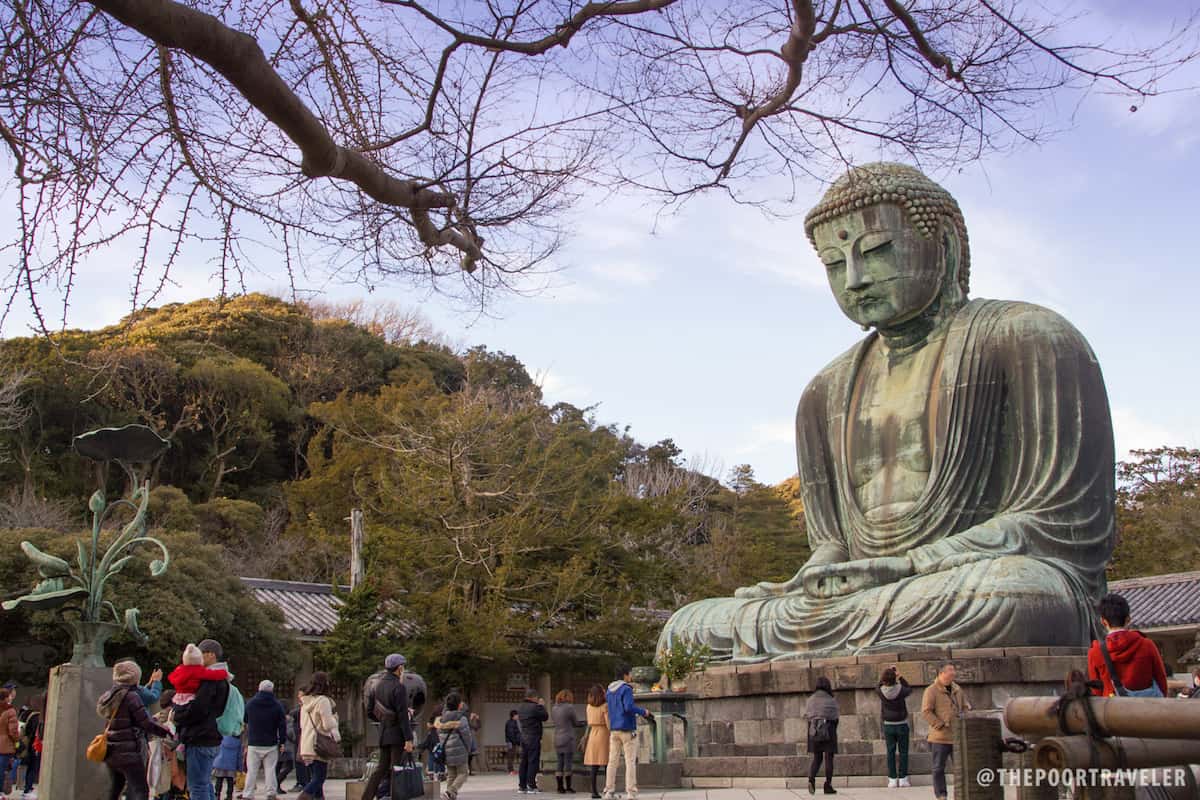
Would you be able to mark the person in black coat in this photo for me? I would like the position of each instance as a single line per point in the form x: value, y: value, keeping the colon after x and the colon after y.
x: 893, y: 691
x: 127, y: 726
x: 395, y: 726
x: 196, y: 726
x: 512, y: 738
x: 531, y: 715
x: 821, y: 711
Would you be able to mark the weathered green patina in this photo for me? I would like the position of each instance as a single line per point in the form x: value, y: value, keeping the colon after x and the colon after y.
x: 956, y: 465
x: 63, y: 583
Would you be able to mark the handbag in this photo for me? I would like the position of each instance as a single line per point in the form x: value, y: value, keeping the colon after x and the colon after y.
x: 438, y: 753
x: 407, y: 782
x: 820, y: 731
x: 97, y: 750
x: 327, y: 749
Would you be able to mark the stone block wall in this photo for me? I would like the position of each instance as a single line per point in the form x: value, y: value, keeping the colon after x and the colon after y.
x: 748, y: 720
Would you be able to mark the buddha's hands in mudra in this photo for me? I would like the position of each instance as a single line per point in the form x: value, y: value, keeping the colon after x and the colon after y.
x: 835, y: 580
x: 824, y: 580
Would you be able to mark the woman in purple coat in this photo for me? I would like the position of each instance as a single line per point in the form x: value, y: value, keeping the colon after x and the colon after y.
x: 127, y: 728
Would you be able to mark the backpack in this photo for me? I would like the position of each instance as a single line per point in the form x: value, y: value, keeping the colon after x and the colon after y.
x: 820, y: 731
x: 233, y: 718
x: 375, y: 710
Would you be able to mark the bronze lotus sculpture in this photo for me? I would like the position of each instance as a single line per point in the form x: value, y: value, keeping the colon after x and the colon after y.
x: 78, y: 588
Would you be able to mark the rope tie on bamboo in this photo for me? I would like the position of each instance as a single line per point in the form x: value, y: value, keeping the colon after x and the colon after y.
x: 1093, y: 731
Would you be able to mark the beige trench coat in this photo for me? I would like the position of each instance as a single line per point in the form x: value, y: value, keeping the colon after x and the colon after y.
x: 596, y: 753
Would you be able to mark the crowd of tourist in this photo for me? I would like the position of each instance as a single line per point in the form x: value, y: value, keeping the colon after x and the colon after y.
x: 21, y: 731
x: 196, y: 739
x: 201, y: 736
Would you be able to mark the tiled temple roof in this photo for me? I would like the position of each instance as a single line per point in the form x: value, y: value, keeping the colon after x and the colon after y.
x: 310, y: 610
x: 1161, y: 601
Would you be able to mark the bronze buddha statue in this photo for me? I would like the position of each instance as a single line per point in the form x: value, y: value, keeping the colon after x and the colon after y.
x: 956, y: 465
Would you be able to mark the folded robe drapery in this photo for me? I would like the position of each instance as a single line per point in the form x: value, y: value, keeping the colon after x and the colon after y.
x: 1014, y: 527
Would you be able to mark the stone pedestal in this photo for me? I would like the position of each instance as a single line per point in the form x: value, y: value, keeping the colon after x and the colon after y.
x: 748, y: 726
x: 668, y: 741
x: 71, y: 724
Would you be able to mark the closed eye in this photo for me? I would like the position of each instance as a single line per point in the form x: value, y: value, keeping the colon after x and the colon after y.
x: 833, y: 258
x: 875, y: 243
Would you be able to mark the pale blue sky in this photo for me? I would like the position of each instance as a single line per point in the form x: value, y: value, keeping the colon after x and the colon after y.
x: 706, y: 326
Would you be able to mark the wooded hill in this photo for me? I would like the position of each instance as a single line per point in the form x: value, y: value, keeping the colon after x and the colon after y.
x: 503, y: 528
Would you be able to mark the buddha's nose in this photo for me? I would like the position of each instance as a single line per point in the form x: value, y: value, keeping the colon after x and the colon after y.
x: 856, y: 276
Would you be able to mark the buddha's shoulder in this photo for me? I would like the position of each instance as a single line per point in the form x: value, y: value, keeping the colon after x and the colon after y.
x: 1016, y: 319
x: 836, y: 372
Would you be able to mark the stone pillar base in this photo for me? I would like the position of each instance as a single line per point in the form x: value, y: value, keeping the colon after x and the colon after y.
x: 71, y: 724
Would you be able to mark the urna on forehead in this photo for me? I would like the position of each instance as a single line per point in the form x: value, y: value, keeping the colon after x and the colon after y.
x: 925, y: 202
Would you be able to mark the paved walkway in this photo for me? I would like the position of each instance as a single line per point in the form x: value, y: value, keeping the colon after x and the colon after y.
x: 497, y: 786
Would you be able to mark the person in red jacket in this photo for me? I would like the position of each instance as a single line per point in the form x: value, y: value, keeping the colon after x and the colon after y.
x: 1136, y: 659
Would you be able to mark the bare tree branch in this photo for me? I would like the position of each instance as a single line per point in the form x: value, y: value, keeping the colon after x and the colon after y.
x: 562, y: 35
x: 171, y: 129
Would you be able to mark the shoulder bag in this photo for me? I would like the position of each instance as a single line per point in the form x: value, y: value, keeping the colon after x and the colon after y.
x: 98, y: 749
x: 1115, y: 679
x: 325, y: 747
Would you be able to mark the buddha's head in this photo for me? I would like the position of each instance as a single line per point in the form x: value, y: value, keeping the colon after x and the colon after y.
x: 894, y: 245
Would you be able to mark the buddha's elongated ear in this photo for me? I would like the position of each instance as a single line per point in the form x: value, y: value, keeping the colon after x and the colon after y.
x: 952, y: 249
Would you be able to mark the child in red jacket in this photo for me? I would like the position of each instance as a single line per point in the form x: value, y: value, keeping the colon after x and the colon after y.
x: 1138, y: 663
x: 186, y: 678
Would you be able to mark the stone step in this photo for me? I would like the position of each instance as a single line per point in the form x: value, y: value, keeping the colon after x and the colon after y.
x: 845, y: 746
x: 795, y: 766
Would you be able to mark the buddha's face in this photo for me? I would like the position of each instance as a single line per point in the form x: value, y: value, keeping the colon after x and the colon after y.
x: 882, y: 271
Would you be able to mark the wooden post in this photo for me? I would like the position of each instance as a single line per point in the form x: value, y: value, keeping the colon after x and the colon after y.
x: 357, y: 567
x: 977, y: 747
x: 1033, y: 791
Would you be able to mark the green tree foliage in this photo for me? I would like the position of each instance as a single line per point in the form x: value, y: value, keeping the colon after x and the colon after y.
x: 768, y: 541
x: 1158, y: 513
x: 498, y: 370
x: 208, y: 376
x: 362, y: 638
x: 741, y: 479
x: 493, y: 521
x: 238, y: 403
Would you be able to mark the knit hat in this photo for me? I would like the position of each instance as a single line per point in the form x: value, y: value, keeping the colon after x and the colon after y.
x: 211, y: 646
x: 192, y: 655
x: 127, y: 672
x: 266, y: 686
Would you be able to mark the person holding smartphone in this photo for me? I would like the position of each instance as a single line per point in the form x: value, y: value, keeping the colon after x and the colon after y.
x: 893, y: 692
